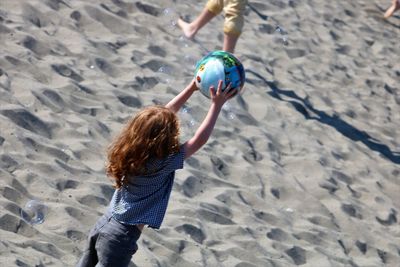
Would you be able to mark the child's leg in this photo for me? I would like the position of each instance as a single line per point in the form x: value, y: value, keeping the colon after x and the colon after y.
x: 393, y: 8
x: 212, y: 8
x: 230, y: 41
x: 117, y: 243
x: 89, y: 257
x: 233, y: 25
x: 190, y: 29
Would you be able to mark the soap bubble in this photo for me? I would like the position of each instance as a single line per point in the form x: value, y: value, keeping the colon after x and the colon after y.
x: 283, y: 35
x: 228, y: 111
x: 183, y: 41
x: 170, y: 18
x: 187, y: 117
x: 34, y: 212
x: 286, y: 210
x: 289, y: 210
x: 287, y: 214
x: 190, y: 61
x: 164, y: 74
x: 187, y: 122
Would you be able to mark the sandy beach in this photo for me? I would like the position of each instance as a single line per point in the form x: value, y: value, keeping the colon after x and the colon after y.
x: 302, y: 169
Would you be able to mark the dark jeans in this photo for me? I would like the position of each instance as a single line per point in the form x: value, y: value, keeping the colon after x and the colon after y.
x: 111, y: 244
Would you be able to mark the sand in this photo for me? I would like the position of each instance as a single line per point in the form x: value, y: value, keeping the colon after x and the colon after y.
x: 303, y: 168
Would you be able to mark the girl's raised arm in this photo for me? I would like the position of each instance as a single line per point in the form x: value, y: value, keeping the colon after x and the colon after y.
x: 205, y: 129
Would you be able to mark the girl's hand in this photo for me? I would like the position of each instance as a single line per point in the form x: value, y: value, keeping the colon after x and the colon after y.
x: 219, y: 97
x: 193, y: 85
x: 178, y: 101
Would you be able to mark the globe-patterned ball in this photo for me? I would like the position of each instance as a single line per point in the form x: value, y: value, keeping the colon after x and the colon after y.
x: 216, y: 66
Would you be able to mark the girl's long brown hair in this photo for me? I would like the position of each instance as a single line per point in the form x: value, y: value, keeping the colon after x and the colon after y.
x: 152, y: 133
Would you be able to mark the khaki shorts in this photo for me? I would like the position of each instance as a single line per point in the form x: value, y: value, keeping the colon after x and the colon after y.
x: 234, y: 13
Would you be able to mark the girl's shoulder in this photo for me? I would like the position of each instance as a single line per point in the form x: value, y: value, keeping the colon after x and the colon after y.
x: 159, y: 167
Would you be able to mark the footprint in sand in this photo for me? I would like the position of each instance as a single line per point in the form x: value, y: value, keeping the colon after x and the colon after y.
x: 28, y: 121
x: 76, y: 235
x: 34, y: 16
x: 51, y: 99
x: 105, y: 67
x: 65, y: 71
x: 278, y: 235
x: 297, y: 254
x: 14, y: 224
x: 39, y: 48
x: 114, y: 24
x: 12, y: 194
x: 390, y: 219
x: 93, y: 201
x: 194, y: 232
x: 66, y: 184
x: 8, y: 163
x: 214, y: 217
x: 192, y: 186
x: 76, y: 213
x: 351, y: 210
x: 130, y: 101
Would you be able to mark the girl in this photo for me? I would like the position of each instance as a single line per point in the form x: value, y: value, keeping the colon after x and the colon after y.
x: 142, y: 161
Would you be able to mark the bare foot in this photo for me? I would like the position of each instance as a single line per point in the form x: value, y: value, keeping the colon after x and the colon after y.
x: 187, y: 28
x: 395, y: 6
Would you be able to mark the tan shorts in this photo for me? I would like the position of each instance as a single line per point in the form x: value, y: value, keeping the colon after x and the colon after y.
x: 234, y: 13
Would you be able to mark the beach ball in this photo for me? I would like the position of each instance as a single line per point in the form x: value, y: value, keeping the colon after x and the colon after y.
x: 216, y: 66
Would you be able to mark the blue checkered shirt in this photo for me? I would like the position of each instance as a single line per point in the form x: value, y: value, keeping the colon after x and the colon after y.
x: 144, y: 199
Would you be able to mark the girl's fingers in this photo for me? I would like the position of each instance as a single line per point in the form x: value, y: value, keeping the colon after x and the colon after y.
x: 212, y: 91
x: 228, y: 88
x: 219, y: 90
x: 193, y: 83
x: 226, y: 93
x: 231, y: 93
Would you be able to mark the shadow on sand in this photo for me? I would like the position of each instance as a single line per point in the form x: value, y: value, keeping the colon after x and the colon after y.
x: 303, y: 106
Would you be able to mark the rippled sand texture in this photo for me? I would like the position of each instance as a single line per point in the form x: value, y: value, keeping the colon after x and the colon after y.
x: 302, y: 169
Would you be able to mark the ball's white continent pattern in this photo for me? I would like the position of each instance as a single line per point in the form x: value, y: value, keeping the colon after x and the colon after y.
x: 215, y: 72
